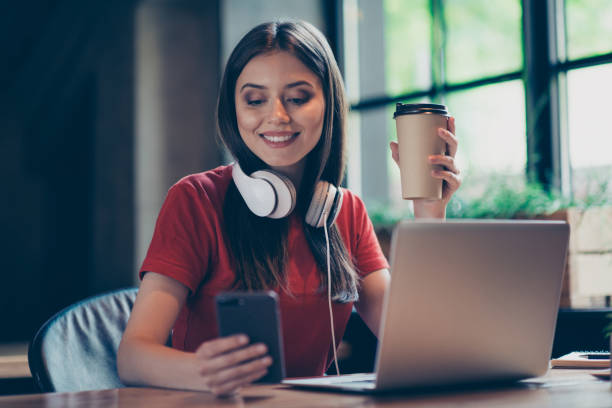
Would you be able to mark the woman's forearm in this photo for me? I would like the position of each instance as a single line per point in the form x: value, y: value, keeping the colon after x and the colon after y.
x: 143, y: 363
x: 371, y: 298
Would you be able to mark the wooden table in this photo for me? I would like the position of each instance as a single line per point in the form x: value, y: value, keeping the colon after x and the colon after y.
x: 560, y: 388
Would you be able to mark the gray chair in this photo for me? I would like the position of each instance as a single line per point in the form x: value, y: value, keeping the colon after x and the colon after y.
x: 76, y: 349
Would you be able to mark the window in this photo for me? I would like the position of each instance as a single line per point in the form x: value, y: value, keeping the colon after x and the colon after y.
x: 590, y: 131
x: 483, y: 38
x: 527, y: 78
x: 429, y: 51
x: 588, y: 28
x: 585, y: 72
x: 529, y: 82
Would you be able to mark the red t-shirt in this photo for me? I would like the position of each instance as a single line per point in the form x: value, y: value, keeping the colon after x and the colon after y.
x: 188, y: 246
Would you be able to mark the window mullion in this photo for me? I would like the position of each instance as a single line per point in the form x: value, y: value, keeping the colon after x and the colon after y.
x: 538, y: 75
x: 438, y: 35
x: 558, y: 91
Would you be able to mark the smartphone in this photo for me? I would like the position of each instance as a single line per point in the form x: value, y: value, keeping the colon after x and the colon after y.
x: 257, y: 315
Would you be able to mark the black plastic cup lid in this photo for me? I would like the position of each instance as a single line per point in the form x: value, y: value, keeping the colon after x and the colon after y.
x: 418, y: 108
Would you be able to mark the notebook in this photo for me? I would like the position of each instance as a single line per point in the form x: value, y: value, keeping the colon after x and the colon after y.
x: 469, y: 302
x: 582, y: 359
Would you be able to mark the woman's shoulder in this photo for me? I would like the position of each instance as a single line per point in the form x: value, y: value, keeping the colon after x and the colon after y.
x: 352, y: 221
x: 351, y: 202
x: 208, y: 186
x: 353, y: 212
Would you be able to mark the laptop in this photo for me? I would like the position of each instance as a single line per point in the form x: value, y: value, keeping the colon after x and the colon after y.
x: 470, y: 302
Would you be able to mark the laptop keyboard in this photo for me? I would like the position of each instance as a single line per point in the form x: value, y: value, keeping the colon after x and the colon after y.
x: 360, y: 382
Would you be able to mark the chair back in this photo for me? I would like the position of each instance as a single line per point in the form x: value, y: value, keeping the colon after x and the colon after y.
x: 76, y: 350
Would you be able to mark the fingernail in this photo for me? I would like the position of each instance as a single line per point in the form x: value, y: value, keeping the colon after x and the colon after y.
x: 267, y: 360
x: 262, y: 348
x: 243, y: 339
x: 441, y: 131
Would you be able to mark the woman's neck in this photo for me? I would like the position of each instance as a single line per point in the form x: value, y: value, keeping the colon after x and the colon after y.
x: 294, y: 172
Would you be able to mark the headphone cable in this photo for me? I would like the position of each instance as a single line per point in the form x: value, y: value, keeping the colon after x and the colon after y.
x: 331, y: 314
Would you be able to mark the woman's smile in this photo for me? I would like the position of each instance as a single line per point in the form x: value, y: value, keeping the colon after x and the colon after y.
x: 278, y: 139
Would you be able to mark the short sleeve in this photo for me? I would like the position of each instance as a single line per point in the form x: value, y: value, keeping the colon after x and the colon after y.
x: 183, y: 238
x: 367, y: 254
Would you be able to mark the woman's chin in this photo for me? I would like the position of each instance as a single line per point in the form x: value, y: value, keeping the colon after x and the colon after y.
x: 284, y: 165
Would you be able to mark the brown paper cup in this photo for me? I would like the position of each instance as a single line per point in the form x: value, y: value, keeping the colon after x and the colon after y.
x: 417, y: 135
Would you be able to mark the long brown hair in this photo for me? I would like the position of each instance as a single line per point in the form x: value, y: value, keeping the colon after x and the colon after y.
x: 259, y: 245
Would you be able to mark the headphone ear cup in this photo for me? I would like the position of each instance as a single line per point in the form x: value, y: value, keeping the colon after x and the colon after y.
x: 327, y: 198
x: 315, y: 209
x: 284, y: 191
x: 258, y: 194
x: 336, y: 206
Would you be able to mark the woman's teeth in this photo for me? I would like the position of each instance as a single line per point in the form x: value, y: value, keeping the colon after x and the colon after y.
x: 277, y: 139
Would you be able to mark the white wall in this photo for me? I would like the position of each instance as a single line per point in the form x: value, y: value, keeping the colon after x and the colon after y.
x: 177, y: 77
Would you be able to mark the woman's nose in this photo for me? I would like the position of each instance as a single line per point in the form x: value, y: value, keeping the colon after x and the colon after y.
x: 279, y: 113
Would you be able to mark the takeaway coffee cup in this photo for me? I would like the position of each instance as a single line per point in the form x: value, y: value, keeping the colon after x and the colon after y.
x: 417, y: 135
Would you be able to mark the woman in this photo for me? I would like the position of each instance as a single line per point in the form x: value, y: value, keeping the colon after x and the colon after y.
x: 281, y: 107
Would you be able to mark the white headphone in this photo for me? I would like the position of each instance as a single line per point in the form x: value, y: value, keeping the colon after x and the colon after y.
x: 270, y: 194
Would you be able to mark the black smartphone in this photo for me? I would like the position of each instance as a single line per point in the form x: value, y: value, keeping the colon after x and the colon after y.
x: 257, y: 315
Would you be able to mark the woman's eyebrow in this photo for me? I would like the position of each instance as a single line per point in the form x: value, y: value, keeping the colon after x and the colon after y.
x: 248, y: 84
x: 298, y: 83
x: 291, y: 85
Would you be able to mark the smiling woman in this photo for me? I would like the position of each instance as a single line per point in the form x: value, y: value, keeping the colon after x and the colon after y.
x: 281, y: 112
x: 280, y: 109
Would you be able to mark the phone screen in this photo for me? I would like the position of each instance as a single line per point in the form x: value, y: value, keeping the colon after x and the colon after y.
x: 257, y: 315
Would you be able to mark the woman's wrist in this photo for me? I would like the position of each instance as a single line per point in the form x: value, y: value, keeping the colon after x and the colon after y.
x: 429, y: 210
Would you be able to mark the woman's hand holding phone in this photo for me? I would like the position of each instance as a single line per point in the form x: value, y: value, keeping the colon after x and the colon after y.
x: 228, y: 363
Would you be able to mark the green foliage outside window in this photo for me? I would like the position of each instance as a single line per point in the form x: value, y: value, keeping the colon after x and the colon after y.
x: 407, y: 62
x: 483, y: 38
x: 589, y: 27
x: 503, y: 198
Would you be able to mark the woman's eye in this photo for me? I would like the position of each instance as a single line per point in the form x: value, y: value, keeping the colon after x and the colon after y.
x: 298, y: 101
x: 255, y: 102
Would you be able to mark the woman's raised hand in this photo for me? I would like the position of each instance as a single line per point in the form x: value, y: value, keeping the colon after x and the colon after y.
x: 228, y: 363
x: 428, y: 208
